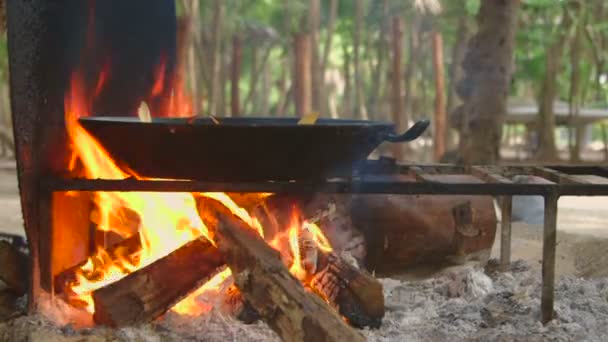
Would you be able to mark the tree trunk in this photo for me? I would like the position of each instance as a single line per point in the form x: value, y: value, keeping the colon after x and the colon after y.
x: 396, y: 105
x: 331, y: 24
x: 194, y: 65
x: 218, y: 10
x: 546, y: 123
x: 411, y: 66
x: 256, y: 70
x: 440, y: 116
x: 456, y: 75
x: 224, y: 75
x: 488, y: 68
x: 314, y: 23
x: 575, y: 131
x: 235, y: 76
x: 263, y: 103
x: 348, y: 82
x: 381, y: 52
x: 302, y: 75
x: 358, y: 110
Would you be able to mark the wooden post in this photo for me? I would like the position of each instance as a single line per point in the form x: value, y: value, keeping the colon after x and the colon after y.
x: 302, y: 75
x: 235, y: 75
x: 440, y: 115
x: 396, y: 104
x: 505, y: 232
x: 549, y: 242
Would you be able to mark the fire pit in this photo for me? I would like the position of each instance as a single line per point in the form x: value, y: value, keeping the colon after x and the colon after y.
x: 128, y: 248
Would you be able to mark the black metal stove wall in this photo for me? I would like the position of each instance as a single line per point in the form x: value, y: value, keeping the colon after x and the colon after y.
x: 46, y: 40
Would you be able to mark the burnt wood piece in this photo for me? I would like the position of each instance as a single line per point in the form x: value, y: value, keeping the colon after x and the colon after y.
x: 358, y: 295
x: 14, y: 268
x: 149, y: 292
x: 279, y: 298
x: 128, y: 246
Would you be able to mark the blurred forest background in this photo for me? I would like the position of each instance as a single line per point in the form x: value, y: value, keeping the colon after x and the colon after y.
x: 506, y: 80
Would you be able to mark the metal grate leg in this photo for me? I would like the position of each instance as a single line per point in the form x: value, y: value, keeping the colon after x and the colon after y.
x: 505, y: 232
x: 549, y: 242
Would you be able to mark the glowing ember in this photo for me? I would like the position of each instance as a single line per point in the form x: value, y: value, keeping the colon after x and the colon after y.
x: 190, y: 306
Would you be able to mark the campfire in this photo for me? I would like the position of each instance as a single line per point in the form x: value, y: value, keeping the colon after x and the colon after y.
x: 160, y: 251
x: 193, y: 228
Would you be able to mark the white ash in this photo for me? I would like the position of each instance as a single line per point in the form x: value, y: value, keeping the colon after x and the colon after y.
x: 460, y: 305
x: 210, y: 327
x: 216, y: 326
x: 468, y: 305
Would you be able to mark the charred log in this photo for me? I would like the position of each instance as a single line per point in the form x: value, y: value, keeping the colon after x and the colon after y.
x: 357, y: 294
x: 149, y: 292
x: 280, y: 299
x: 129, y: 246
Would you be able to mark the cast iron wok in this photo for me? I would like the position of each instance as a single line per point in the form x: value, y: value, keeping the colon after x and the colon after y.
x: 242, y: 149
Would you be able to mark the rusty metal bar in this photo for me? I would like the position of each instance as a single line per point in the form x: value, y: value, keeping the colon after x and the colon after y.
x: 505, y: 232
x: 487, y: 176
x: 382, y: 184
x: 555, y: 176
x: 368, y: 184
x: 549, y: 247
x: 419, y: 174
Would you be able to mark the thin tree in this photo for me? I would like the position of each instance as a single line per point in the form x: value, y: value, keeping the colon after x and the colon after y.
x: 216, y: 60
x: 546, y: 120
x: 439, y: 135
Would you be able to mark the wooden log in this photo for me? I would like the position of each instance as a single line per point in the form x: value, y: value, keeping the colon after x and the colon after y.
x: 14, y: 268
x: 279, y: 298
x: 128, y: 246
x: 357, y: 294
x: 407, y: 231
x: 149, y: 292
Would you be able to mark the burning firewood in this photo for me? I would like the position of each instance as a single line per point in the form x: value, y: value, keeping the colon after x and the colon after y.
x: 127, y: 247
x: 149, y: 292
x: 280, y: 299
x: 349, y: 289
x: 343, y: 284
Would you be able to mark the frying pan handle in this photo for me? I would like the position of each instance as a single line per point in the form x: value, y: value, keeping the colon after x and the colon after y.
x: 409, y: 135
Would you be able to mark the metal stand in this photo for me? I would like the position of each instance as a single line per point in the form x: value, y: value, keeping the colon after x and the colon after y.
x: 386, y: 177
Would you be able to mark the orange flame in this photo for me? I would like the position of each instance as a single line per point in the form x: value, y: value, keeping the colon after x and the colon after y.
x: 166, y: 221
x: 190, y: 306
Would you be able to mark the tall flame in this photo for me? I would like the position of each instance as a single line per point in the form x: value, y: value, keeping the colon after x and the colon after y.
x: 166, y: 220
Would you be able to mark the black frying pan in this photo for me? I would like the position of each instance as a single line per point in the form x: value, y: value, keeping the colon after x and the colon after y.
x: 242, y: 149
